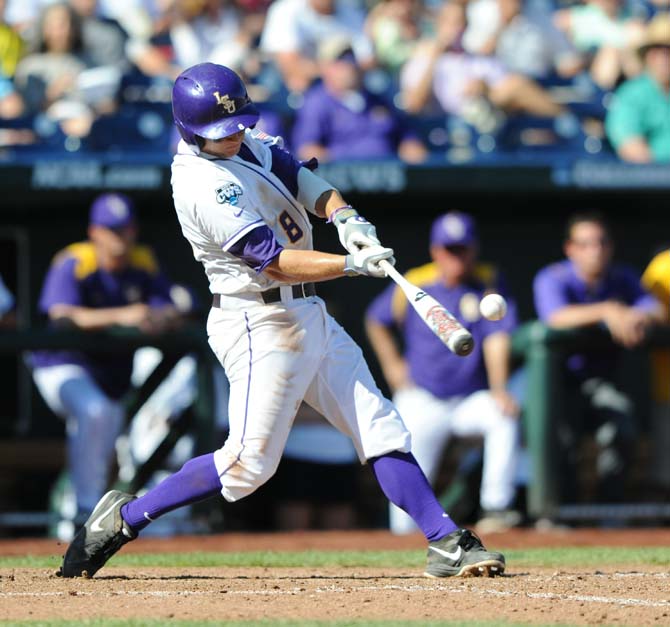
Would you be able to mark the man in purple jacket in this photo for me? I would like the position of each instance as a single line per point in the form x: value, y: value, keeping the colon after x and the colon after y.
x: 439, y: 394
x: 583, y: 290
x: 108, y: 280
x: 341, y: 119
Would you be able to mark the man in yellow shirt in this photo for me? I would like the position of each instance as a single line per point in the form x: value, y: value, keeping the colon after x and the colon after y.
x: 656, y: 279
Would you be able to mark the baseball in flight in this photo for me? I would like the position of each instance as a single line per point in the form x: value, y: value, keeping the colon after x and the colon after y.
x: 493, y: 307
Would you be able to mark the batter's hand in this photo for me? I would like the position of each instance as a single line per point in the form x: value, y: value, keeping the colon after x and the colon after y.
x: 354, y: 230
x: 366, y: 261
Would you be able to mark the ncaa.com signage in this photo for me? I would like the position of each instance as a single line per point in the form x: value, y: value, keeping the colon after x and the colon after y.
x: 366, y: 176
x: 613, y: 175
x: 95, y: 175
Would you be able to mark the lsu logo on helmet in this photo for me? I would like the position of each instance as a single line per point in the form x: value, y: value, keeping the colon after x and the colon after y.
x: 225, y: 102
x: 229, y: 194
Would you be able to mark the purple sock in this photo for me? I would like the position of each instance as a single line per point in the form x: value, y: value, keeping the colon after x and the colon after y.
x: 405, y: 485
x: 197, y: 480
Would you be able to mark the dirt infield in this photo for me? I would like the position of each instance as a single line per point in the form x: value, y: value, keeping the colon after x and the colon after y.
x: 611, y: 595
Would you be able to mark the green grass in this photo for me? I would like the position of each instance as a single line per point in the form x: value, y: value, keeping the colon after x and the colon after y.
x: 582, y: 557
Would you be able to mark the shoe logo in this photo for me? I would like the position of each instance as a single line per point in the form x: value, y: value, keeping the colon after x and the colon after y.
x: 452, y: 556
x: 95, y: 525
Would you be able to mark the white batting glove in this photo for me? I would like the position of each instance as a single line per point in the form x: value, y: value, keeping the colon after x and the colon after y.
x: 354, y: 230
x: 366, y: 261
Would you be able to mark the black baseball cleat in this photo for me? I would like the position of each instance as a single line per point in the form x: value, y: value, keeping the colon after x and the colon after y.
x: 102, y: 535
x: 462, y: 554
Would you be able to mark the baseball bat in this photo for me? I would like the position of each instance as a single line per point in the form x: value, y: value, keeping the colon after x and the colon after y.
x: 438, y: 319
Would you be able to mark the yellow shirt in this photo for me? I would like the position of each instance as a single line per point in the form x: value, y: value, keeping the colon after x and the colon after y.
x: 656, y: 279
x: 11, y: 49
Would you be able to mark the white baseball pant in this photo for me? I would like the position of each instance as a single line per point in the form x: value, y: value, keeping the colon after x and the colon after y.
x: 431, y: 421
x: 93, y: 422
x: 276, y: 355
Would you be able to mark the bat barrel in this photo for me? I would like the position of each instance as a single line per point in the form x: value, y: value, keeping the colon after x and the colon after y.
x: 457, y: 339
x: 461, y: 342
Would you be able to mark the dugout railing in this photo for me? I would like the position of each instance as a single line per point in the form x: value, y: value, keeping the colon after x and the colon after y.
x: 197, y: 419
x: 543, y: 352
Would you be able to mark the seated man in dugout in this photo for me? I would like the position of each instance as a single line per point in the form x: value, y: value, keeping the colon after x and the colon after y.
x: 108, y: 280
x: 587, y: 289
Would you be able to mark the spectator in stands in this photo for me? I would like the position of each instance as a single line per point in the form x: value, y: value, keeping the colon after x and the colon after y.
x: 439, y: 394
x: 522, y: 37
x: 103, y: 40
x: 7, y: 307
x: 198, y: 31
x: 395, y: 27
x: 23, y: 14
x: 11, y: 45
x: 588, y: 289
x: 209, y: 30
x: 12, y: 107
x: 47, y: 79
x: 638, y: 121
x: 603, y: 30
x: 294, y: 28
x: 656, y: 279
x: 11, y: 103
x: 139, y: 19
x: 341, y: 119
x: 106, y: 281
x: 440, y: 69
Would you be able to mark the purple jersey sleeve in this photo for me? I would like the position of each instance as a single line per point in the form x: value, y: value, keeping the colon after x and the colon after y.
x: 549, y: 292
x: 60, y: 285
x: 380, y: 309
x: 257, y: 248
x: 285, y: 167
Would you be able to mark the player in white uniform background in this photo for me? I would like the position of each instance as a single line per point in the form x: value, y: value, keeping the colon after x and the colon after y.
x: 243, y: 205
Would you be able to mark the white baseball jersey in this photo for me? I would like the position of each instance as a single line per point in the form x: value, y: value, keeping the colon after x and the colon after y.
x: 219, y: 201
x: 275, y: 354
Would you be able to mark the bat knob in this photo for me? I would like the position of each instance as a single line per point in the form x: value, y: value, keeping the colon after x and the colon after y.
x: 461, y: 342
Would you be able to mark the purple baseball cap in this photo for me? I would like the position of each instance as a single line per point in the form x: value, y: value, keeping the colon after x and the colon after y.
x: 113, y: 211
x: 453, y: 229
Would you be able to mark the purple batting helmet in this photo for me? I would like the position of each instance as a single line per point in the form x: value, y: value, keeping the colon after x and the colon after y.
x: 211, y: 101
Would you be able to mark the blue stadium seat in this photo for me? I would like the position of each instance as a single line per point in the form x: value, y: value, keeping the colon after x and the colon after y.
x: 133, y: 126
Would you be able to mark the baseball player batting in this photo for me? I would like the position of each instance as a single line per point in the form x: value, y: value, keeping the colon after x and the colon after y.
x: 243, y: 204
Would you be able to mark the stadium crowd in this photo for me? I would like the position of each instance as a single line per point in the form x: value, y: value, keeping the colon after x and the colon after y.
x: 413, y: 79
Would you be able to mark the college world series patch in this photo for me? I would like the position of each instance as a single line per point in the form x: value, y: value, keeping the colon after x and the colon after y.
x: 229, y: 194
